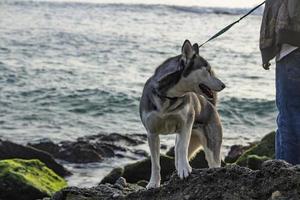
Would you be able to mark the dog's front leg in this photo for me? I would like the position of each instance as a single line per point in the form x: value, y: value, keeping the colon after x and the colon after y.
x: 181, y: 148
x: 153, y: 140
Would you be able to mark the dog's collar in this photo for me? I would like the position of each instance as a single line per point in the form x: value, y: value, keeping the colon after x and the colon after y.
x: 163, y: 96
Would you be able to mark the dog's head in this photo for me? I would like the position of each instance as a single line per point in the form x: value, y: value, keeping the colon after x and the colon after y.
x: 193, y: 74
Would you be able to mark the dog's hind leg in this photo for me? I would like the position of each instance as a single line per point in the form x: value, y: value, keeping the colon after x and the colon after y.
x: 212, y: 148
x: 211, y: 143
x: 175, y: 152
x: 194, y: 145
x: 154, y: 144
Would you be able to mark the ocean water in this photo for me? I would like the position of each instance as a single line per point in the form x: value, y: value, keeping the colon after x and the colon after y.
x: 73, y: 69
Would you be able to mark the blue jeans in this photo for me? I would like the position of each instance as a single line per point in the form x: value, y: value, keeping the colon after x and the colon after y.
x: 287, y: 144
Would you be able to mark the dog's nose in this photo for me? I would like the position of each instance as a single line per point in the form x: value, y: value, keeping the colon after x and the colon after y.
x: 223, y: 86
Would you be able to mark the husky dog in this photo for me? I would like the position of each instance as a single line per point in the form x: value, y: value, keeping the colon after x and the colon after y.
x: 180, y: 98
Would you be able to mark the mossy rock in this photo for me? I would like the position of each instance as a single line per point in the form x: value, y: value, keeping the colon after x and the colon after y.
x: 27, y: 180
x: 255, y: 162
x: 264, y: 150
x: 10, y: 150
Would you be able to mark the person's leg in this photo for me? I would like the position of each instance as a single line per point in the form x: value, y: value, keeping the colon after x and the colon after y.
x: 287, y: 144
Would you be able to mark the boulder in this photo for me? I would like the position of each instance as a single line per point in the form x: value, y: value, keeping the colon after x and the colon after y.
x: 27, y: 180
x: 10, y: 150
x: 141, y: 170
x: 94, y: 148
x: 197, y: 162
x: 260, y: 152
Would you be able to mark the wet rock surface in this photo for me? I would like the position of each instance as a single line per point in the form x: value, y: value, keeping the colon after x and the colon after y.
x: 275, y: 180
x: 95, y: 148
x: 10, y: 150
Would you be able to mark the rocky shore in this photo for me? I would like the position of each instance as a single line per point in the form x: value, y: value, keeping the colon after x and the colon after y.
x: 247, y: 172
x: 275, y: 180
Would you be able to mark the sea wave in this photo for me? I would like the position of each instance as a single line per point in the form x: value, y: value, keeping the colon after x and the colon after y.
x: 245, y: 111
x: 131, y: 7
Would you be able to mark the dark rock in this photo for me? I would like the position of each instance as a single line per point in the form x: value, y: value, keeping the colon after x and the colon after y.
x: 113, y: 176
x: 275, y: 180
x: 142, y: 183
x: 10, y: 150
x: 103, y: 192
x: 264, y: 150
x: 45, y: 145
x: 94, y: 148
x: 116, y: 138
x: 80, y: 152
x: 235, y: 152
x: 199, y: 161
x: 121, y: 181
x: 141, y: 170
x: 76, y: 152
x: 171, y: 152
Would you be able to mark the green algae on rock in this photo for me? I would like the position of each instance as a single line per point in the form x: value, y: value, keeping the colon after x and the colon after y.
x: 27, y: 180
x: 256, y: 155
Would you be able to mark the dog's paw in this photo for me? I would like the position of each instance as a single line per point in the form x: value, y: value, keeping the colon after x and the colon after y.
x: 153, y: 185
x: 184, y: 170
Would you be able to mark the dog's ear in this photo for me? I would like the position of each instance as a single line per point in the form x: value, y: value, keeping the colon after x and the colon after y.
x: 170, y: 76
x: 196, y: 48
x: 187, y: 50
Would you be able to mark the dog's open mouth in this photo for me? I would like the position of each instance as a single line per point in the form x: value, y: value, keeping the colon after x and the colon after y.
x: 206, y: 90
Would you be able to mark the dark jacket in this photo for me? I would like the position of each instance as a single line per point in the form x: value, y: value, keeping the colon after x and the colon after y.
x: 280, y: 24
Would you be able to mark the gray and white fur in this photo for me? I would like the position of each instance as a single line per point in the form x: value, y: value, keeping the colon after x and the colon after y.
x: 180, y: 98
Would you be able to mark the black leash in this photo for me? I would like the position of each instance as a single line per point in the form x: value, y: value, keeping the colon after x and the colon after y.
x: 230, y: 25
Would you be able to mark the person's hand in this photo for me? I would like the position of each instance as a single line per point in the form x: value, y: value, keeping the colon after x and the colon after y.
x: 266, y: 66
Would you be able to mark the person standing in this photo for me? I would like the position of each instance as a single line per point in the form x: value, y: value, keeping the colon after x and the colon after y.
x: 280, y: 39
